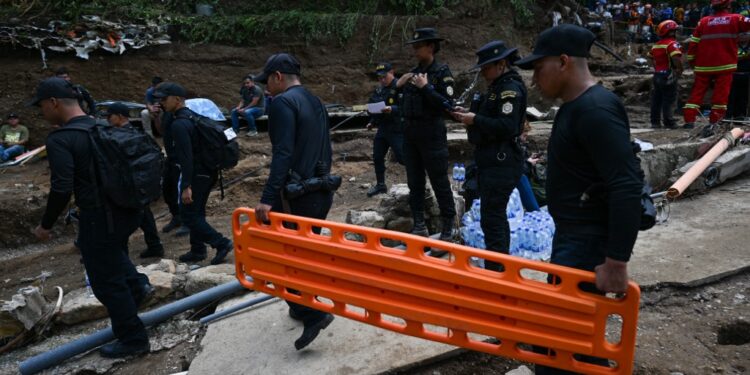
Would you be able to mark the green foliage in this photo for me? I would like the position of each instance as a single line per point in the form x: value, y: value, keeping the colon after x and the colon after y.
x: 524, y: 15
x: 422, y: 7
x: 310, y: 26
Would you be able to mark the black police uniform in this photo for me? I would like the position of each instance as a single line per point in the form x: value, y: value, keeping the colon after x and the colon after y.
x: 425, y: 139
x: 390, y: 129
x: 103, y: 230
x: 201, y: 180
x: 500, y: 114
x: 298, y: 127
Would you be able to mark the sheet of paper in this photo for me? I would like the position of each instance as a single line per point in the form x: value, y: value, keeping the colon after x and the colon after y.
x: 230, y: 134
x: 375, y: 107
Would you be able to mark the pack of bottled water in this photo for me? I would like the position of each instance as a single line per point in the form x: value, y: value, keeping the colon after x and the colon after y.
x: 531, y: 233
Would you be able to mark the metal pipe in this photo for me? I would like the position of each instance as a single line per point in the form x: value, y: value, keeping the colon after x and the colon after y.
x: 53, y: 357
x: 235, y: 308
x: 722, y: 145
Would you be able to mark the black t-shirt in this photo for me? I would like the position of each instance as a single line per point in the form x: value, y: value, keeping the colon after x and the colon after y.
x: 298, y: 128
x: 70, y: 162
x: 590, y: 145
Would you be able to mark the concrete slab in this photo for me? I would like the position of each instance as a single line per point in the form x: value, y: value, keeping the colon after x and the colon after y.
x: 705, y: 236
x: 261, y: 341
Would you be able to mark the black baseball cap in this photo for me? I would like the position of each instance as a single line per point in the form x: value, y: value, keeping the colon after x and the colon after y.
x: 12, y: 115
x: 383, y: 68
x: 118, y: 108
x: 53, y: 88
x: 565, y: 39
x: 165, y: 89
x: 280, y: 62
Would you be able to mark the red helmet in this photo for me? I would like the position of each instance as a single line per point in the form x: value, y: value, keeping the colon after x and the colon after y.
x: 720, y: 2
x: 665, y: 27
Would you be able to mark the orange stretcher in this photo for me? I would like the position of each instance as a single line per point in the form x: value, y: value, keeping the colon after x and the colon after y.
x: 361, y: 273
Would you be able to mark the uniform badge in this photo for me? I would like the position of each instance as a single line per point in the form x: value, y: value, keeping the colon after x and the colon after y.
x: 449, y: 90
x: 390, y: 101
x: 507, y: 108
x: 492, y: 97
x: 508, y: 94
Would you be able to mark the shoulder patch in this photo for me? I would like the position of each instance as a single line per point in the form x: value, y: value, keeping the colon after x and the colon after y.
x: 508, y: 94
x: 507, y: 108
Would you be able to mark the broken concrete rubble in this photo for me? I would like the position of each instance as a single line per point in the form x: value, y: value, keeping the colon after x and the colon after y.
x: 209, y: 277
x: 730, y: 164
x: 22, y: 312
x: 393, y: 211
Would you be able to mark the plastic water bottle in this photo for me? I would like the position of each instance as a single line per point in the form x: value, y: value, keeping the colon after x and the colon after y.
x: 88, y: 284
x: 455, y: 175
x: 461, y: 172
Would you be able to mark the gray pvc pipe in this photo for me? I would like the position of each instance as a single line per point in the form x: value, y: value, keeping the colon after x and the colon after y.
x: 53, y: 357
x: 235, y: 308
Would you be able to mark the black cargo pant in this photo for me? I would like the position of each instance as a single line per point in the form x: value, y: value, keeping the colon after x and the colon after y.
x: 313, y: 205
x: 103, y: 240
x: 426, y: 150
x: 170, y: 179
x: 383, y: 141
x: 495, y: 186
x: 582, y: 248
x: 663, y: 100
x: 738, y: 96
x: 150, y: 233
x: 194, y: 215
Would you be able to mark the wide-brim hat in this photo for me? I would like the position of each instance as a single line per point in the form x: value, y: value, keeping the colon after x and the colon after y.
x: 424, y: 34
x: 495, y: 50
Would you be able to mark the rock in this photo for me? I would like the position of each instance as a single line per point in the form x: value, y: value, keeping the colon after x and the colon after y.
x: 164, y: 265
x: 79, y: 306
x: 208, y: 277
x: 523, y: 370
x: 164, y: 283
x: 400, y: 224
x: 22, y: 312
x: 365, y: 218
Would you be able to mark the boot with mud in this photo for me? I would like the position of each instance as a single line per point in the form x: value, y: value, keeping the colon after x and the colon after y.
x: 376, y: 189
x: 420, y: 229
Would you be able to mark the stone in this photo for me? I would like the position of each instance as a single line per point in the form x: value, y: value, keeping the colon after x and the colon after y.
x: 164, y: 284
x: 79, y: 306
x: 22, y: 312
x: 365, y: 218
x: 164, y: 265
x: 400, y: 224
x: 208, y: 277
x: 523, y: 370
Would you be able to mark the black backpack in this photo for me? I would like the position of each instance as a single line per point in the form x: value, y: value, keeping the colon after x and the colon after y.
x: 216, y: 151
x: 127, y: 164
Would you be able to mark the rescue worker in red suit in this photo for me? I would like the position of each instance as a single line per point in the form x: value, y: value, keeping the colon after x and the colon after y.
x: 713, y: 56
x: 667, y: 58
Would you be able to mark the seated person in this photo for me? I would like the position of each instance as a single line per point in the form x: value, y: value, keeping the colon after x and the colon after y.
x: 250, y: 107
x: 13, y: 138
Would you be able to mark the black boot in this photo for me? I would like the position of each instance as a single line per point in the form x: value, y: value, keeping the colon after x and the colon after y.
x: 447, y: 233
x: 152, y: 252
x: 174, y: 223
x: 420, y: 229
x: 222, y: 253
x: 378, y: 188
x: 312, y: 330
x: 191, y: 257
x: 118, y: 350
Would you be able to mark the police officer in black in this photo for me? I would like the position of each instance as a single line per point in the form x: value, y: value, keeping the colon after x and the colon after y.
x: 104, y: 228
x: 494, y: 122
x: 427, y: 93
x: 298, y: 127
x: 390, y: 127
x: 195, y: 181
